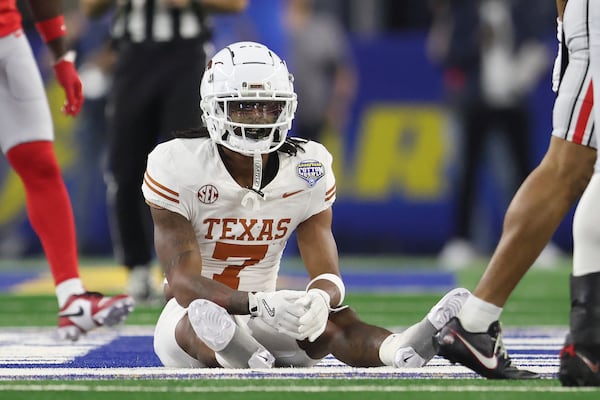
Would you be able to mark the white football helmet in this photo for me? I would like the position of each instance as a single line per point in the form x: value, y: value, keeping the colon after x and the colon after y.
x: 243, y: 77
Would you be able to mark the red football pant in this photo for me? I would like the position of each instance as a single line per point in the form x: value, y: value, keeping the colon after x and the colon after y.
x: 48, y: 205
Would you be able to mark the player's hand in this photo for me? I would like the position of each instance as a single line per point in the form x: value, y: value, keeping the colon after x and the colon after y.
x: 67, y: 76
x: 278, y: 310
x: 314, y: 321
x: 556, y: 70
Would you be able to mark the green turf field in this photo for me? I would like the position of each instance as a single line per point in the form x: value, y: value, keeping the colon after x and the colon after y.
x: 295, y: 390
x: 540, y: 299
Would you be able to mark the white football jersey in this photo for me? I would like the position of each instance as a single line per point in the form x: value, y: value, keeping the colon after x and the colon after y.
x: 241, y: 234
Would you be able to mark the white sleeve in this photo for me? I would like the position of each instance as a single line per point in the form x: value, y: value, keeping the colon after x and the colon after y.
x: 161, y: 186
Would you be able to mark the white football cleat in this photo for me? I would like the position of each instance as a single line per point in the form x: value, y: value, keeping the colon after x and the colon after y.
x: 84, y: 312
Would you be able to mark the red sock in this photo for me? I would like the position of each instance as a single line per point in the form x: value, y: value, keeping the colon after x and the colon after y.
x: 48, y: 206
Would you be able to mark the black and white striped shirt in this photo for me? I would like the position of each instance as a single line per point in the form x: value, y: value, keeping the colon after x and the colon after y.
x: 152, y: 21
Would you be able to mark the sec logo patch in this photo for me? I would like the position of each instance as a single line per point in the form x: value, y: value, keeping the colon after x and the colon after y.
x: 208, y: 194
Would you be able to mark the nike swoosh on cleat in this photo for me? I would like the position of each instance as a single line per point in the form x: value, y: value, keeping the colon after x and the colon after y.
x: 264, y: 358
x: 270, y: 311
x: 490, y: 363
x: 405, y: 359
x: 594, y: 367
x: 79, y: 313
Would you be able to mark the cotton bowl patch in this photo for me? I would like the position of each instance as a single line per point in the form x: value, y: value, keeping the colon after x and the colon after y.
x: 311, y: 171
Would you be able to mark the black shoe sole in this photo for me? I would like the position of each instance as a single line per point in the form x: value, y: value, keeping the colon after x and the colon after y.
x: 574, y: 371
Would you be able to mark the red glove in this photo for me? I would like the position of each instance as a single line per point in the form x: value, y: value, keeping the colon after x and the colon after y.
x: 67, y: 76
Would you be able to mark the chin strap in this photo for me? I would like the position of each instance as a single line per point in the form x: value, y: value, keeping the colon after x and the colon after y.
x: 258, y: 172
x: 255, y: 192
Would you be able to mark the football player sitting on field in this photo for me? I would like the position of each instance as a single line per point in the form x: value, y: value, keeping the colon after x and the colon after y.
x: 224, y: 203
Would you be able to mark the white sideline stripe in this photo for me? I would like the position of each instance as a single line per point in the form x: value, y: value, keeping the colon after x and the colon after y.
x: 288, y: 388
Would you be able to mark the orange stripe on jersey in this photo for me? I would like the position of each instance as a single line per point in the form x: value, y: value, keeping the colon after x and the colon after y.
x: 330, y: 193
x: 166, y: 189
x: 584, y: 114
x: 152, y: 185
x: 330, y: 190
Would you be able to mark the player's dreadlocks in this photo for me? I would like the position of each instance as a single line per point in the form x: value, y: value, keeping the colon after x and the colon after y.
x: 291, y: 146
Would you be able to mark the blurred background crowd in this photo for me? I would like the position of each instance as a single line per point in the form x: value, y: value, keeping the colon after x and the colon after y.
x: 434, y: 110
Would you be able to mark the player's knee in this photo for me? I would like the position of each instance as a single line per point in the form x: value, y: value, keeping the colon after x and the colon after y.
x: 35, y: 161
x: 570, y: 166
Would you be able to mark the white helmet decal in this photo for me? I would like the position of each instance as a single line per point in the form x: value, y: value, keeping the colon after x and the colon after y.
x: 247, y: 72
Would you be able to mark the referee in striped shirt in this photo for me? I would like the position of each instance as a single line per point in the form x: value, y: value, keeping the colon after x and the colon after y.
x: 161, y: 56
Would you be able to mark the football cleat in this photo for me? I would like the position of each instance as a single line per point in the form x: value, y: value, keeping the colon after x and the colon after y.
x: 578, y: 367
x: 482, y: 352
x: 84, y: 312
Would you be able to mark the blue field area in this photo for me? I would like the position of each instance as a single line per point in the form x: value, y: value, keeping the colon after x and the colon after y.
x: 408, y: 281
x: 130, y: 352
x: 121, y: 352
x: 9, y: 279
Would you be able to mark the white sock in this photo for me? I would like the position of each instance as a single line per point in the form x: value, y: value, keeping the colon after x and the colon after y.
x: 586, y: 231
x: 67, y: 288
x: 476, y: 315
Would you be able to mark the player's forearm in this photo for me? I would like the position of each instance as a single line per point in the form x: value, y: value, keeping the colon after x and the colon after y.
x: 48, y: 16
x: 44, y: 9
x: 183, y: 270
x: 188, y: 287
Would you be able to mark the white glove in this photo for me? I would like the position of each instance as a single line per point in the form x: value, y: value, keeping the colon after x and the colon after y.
x: 315, y: 302
x: 278, y: 310
x: 557, y: 61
